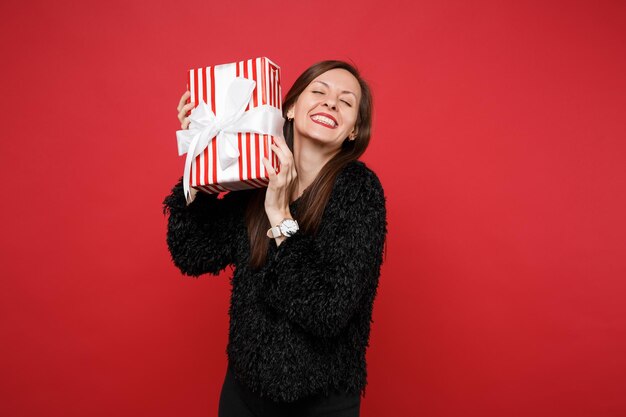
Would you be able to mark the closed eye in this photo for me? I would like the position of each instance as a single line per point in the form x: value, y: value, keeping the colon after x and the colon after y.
x: 319, y: 92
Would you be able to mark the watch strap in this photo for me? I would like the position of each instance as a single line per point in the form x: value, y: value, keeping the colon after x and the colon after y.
x: 274, y: 232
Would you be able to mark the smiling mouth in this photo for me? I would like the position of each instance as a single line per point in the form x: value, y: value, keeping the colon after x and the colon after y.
x: 324, y: 121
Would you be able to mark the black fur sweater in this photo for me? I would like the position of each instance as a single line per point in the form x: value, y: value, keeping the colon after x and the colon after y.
x: 301, y: 324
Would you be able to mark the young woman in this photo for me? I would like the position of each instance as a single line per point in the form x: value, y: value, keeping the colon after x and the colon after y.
x: 307, y: 252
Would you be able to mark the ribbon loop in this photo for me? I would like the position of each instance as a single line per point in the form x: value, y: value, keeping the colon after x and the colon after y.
x: 204, y: 126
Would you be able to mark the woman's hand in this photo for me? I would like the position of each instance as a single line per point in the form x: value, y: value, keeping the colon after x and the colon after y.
x: 277, y: 197
x: 183, y: 109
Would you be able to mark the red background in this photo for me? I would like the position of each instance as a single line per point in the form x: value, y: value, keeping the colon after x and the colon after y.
x: 499, y: 138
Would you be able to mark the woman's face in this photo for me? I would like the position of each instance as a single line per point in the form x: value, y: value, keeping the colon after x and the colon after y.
x: 326, y: 111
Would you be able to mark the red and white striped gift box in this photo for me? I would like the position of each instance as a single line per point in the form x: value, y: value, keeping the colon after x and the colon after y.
x: 210, y: 85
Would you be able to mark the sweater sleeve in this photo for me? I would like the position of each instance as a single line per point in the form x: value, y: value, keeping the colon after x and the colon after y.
x: 201, y: 236
x: 320, y: 282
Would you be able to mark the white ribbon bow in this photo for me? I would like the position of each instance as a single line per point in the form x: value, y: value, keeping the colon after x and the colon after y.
x: 205, y: 125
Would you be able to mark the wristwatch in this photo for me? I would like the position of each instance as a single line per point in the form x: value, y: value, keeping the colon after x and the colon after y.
x: 285, y: 228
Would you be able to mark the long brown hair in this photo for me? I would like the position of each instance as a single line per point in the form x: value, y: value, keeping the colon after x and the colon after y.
x: 313, y: 200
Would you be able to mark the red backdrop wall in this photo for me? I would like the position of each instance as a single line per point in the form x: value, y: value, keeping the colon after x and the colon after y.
x: 498, y: 136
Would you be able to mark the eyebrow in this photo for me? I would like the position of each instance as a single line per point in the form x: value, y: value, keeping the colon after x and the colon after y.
x: 344, y: 91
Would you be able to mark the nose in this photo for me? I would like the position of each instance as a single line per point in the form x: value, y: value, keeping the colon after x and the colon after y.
x: 331, y: 102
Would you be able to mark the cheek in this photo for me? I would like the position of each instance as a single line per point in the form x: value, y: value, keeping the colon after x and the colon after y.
x: 351, y: 117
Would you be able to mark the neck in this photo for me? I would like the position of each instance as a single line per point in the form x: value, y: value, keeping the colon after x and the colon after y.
x: 309, y: 158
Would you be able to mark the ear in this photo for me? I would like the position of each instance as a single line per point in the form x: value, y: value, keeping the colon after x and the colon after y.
x: 290, y: 113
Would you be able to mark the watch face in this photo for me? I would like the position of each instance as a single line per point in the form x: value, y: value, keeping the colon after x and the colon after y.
x: 288, y: 227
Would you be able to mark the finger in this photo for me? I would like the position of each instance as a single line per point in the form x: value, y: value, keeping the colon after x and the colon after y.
x: 275, y: 169
x: 284, y: 159
x: 184, y: 111
x: 282, y: 145
x: 183, y: 100
x: 280, y: 141
x: 271, y: 171
x: 284, y: 155
x: 185, y: 124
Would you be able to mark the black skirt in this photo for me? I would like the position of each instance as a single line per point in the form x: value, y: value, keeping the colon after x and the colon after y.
x: 237, y: 400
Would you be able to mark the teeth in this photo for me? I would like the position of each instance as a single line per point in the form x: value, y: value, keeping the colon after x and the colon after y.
x: 324, y: 120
